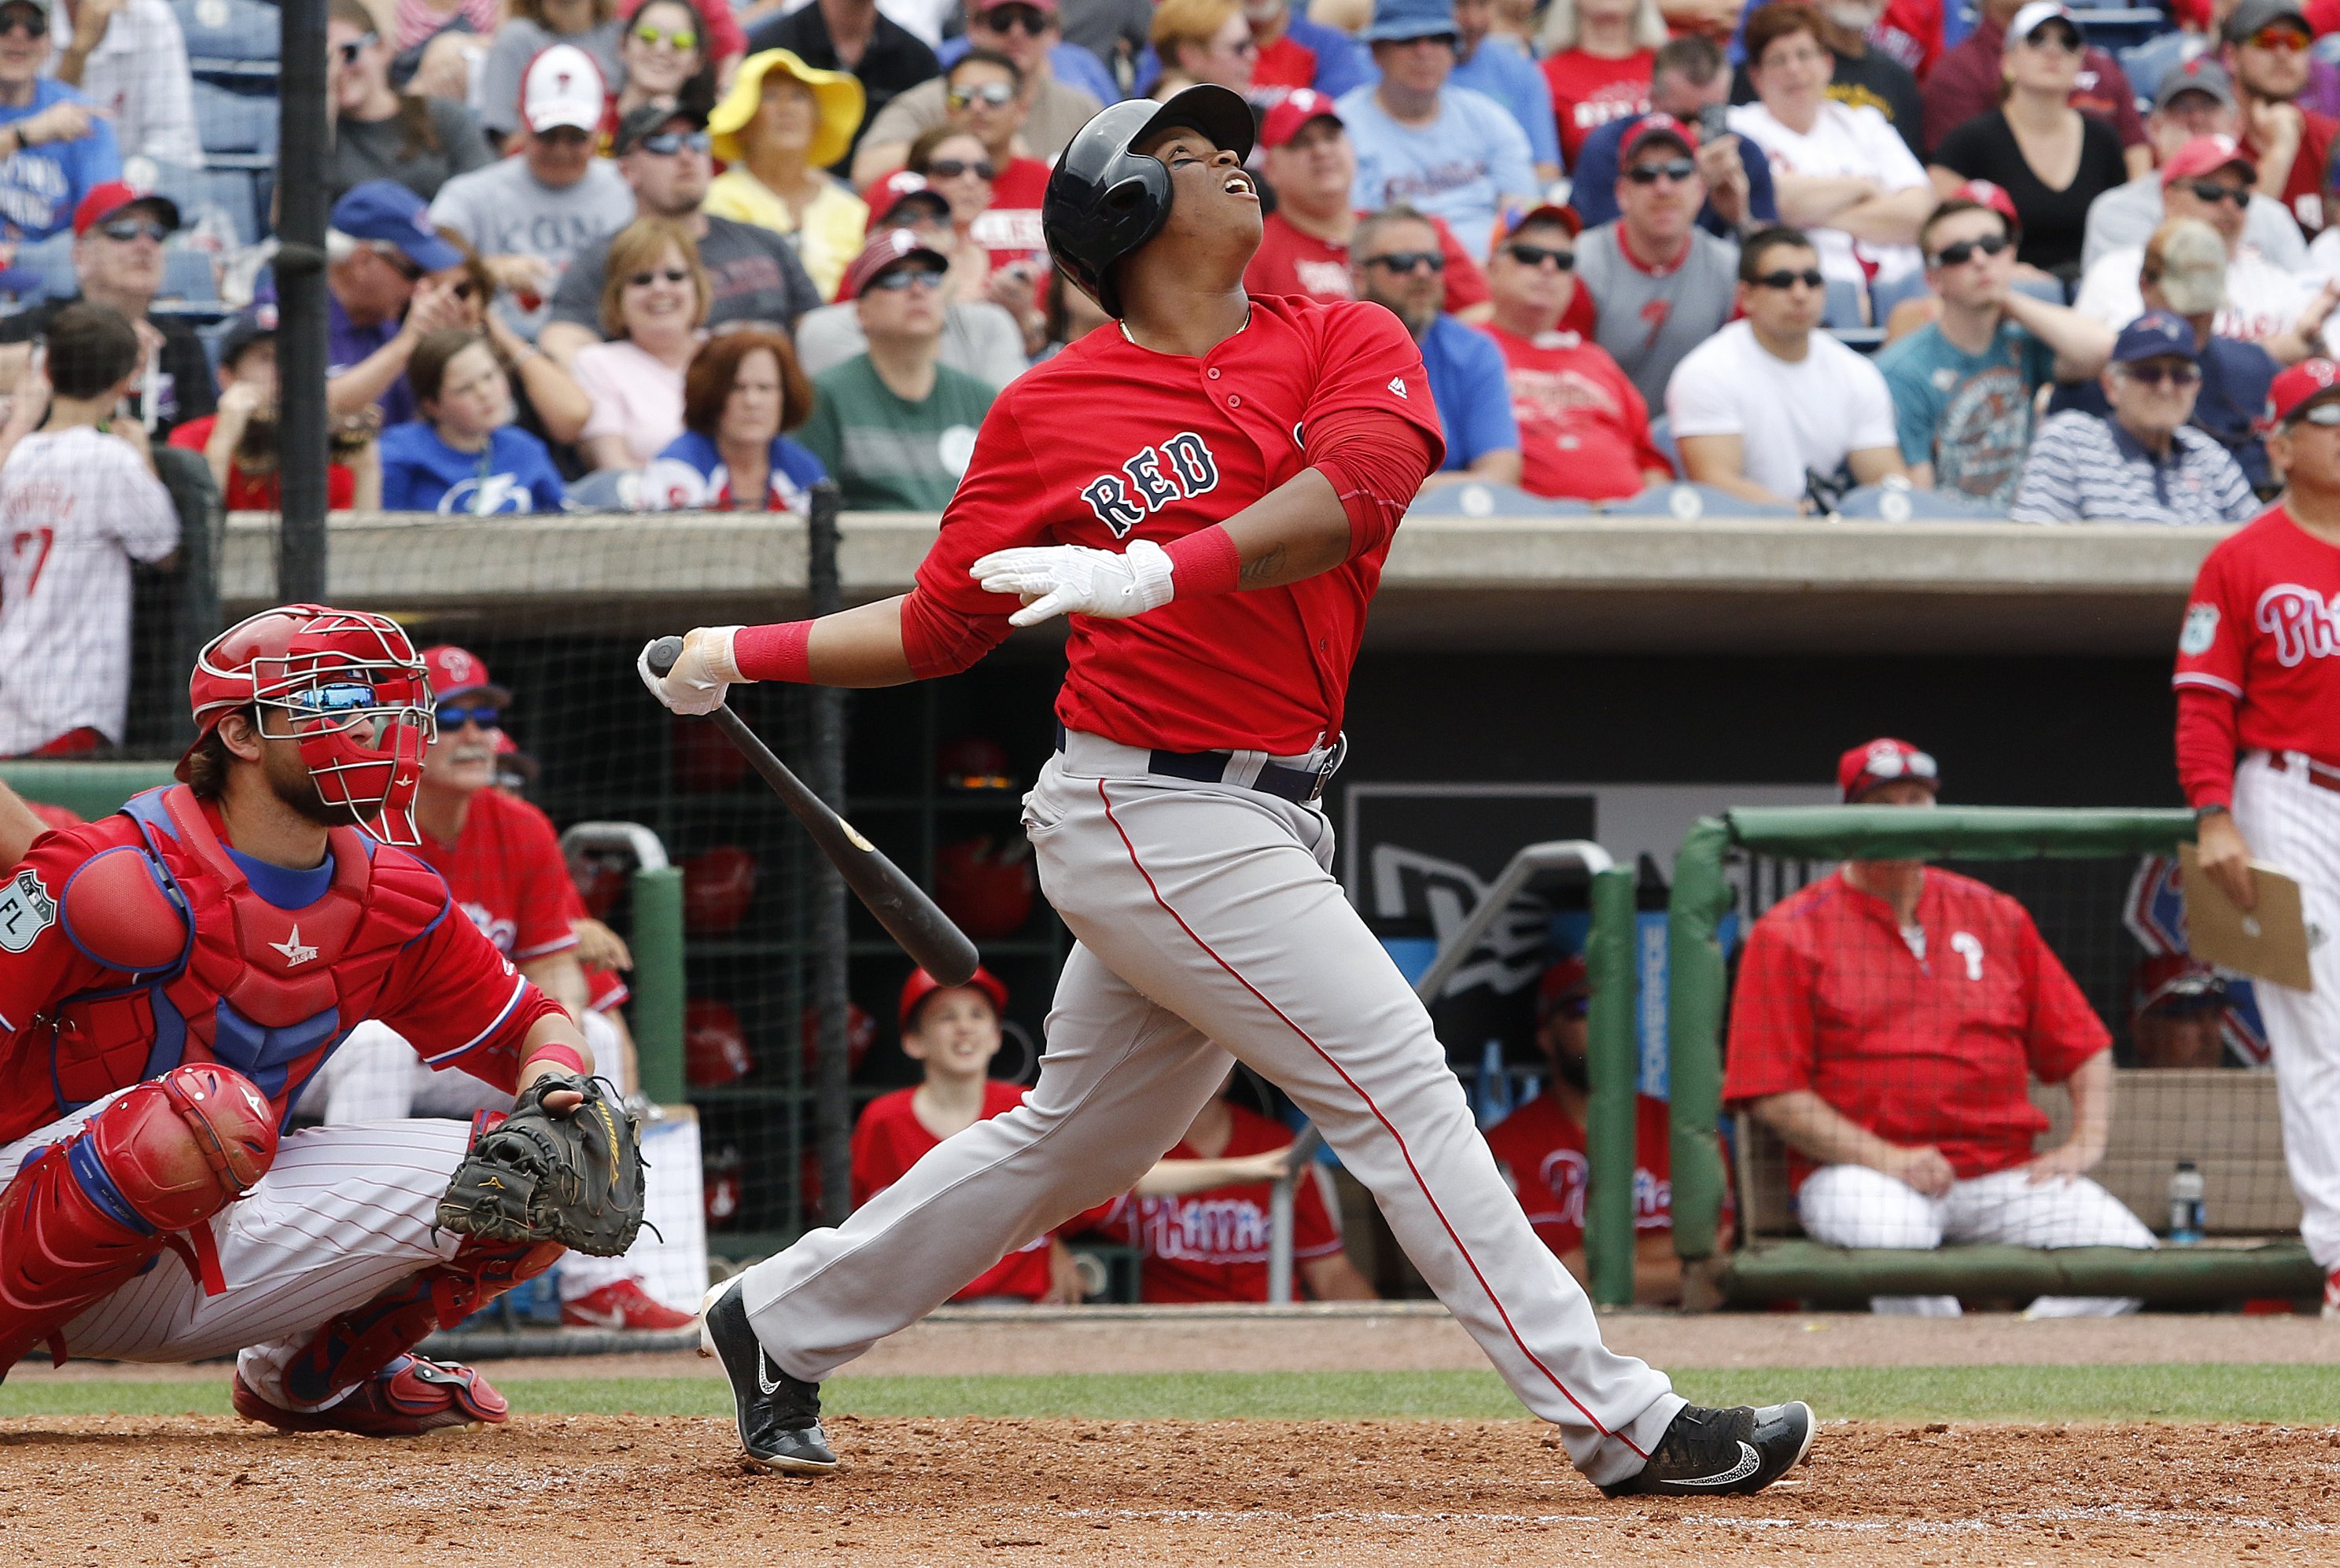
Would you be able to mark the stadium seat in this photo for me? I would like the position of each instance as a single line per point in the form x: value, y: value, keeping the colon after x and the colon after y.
x: 2123, y: 29
x: 1848, y: 304
x: 1661, y: 435
x: 187, y: 275
x: 605, y: 490
x: 53, y: 259
x: 1685, y: 503
x: 234, y: 40
x: 1475, y: 499
x: 2145, y: 64
x: 239, y: 130
x: 1904, y: 504
x: 216, y: 204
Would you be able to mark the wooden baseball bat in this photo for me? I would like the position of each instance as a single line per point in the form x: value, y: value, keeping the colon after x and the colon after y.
x: 901, y: 906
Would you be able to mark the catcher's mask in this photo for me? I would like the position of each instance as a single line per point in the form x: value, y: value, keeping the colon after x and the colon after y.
x: 354, y: 695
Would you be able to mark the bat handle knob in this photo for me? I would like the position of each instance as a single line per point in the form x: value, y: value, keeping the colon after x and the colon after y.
x: 663, y: 654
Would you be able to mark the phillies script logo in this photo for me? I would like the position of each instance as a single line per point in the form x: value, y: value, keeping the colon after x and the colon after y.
x: 1180, y: 468
x: 2302, y: 623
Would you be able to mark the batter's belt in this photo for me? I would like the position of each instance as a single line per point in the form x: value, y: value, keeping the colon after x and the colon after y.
x: 1298, y: 779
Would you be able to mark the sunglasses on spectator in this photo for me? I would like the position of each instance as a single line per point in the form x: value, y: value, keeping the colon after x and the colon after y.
x: 667, y: 144
x: 901, y: 278
x: 1887, y: 765
x: 676, y: 37
x: 1811, y: 278
x: 2212, y: 191
x: 669, y: 274
x: 35, y: 23
x: 455, y: 716
x: 952, y: 168
x: 1678, y: 170
x: 2279, y: 40
x: 991, y: 94
x: 2178, y: 375
x: 1002, y: 19
x: 125, y: 230
x: 1537, y: 255
x: 1963, y: 251
x: 2053, y: 36
x: 391, y: 256
x: 1404, y: 261
x: 2324, y: 415
x: 348, y: 53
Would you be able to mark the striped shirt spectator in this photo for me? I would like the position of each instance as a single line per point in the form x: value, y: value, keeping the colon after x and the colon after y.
x: 2087, y: 469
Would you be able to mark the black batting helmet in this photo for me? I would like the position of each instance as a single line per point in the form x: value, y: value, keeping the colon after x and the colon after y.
x: 1104, y: 201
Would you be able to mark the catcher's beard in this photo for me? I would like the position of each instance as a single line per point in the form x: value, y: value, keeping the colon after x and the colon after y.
x: 289, y: 777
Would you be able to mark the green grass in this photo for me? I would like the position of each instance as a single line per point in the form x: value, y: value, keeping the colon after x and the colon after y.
x: 2284, y: 1393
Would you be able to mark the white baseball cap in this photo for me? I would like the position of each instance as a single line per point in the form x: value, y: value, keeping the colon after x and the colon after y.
x: 562, y: 87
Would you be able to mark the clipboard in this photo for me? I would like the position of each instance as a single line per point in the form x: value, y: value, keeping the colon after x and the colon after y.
x: 2268, y: 943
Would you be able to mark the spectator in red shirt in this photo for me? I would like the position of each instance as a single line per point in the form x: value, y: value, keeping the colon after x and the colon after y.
x: 2267, y: 50
x: 984, y: 96
x: 1303, y: 247
x: 239, y: 442
x: 1584, y: 429
x: 1964, y: 82
x: 1540, y: 1148
x: 1598, y: 58
x: 1887, y: 1023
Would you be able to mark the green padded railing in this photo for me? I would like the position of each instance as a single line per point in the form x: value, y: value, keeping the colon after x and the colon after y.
x: 85, y: 788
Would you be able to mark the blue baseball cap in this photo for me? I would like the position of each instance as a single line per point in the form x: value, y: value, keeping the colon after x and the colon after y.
x: 1396, y: 21
x: 2157, y: 334
x: 386, y: 211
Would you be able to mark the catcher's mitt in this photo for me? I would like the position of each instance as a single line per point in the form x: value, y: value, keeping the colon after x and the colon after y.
x: 536, y: 1177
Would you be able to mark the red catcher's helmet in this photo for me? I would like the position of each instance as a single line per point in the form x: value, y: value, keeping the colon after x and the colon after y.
x: 714, y: 1048
x: 986, y: 885
x: 357, y: 696
x: 717, y: 888
x: 922, y: 985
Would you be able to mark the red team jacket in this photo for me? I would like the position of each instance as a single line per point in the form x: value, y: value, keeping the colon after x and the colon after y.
x: 889, y: 1139
x: 1937, y: 1050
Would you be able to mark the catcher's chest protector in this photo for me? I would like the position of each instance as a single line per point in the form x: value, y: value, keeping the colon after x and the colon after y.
x: 268, y: 992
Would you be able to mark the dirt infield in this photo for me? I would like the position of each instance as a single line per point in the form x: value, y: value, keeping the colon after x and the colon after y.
x: 645, y: 1492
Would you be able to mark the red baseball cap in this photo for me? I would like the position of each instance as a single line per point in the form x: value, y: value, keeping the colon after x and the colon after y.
x: 2309, y: 382
x: 888, y: 195
x: 1993, y: 196
x: 2174, y: 979
x: 1548, y: 212
x: 1886, y: 761
x: 2206, y: 155
x: 1299, y: 108
x: 457, y: 672
x: 1567, y: 978
x: 117, y: 195
x: 922, y: 985
x: 884, y: 248
x: 1649, y: 127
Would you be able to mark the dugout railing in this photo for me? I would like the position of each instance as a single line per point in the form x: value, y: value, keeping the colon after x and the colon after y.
x: 1737, y: 863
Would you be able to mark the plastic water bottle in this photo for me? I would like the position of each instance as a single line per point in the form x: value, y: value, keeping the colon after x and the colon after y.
x: 2187, y: 1216
x: 1494, y: 1085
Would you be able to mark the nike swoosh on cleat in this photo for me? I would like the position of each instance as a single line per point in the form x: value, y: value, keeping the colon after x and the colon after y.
x: 772, y: 1384
x: 1748, y: 1462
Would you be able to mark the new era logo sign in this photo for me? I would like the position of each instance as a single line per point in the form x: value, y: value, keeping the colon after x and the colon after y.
x: 1397, y: 385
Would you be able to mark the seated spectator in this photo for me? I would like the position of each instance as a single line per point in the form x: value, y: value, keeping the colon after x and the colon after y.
x: 1964, y: 385
x: 665, y: 60
x: 742, y: 393
x: 882, y: 59
x: 1886, y: 1024
x: 1687, y: 84
x: 1966, y: 82
x: 464, y: 454
x: 59, y: 147
x: 1599, y: 56
x: 1072, y: 314
x: 390, y: 280
x: 239, y: 443
x: 1859, y: 76
x: 2185, y: 274
x: 2210, y: 180
x: 1201, y: 41
x: 985, y: 100
x: 1660, y: 285
x: 548, y: 402
x: 531, y: 27
x: 979, y: 337
x: 1583, y: 431
x: 1501, y: 67
x: 895, y: 425
x: 1396, y: 263
x: 2177, y: 1014
x: 528, y: 217
x: 2143, y: 463
x: 2197, y: 99
x: 662, y: 155
x: 952, y: 1032
x: 79, y: 502
x: 2267, y: 50
x: 117, y: 257
x: 779, y: 127
x: 129, y: 58
x: 1303, y: 246
x: 1540, y: 1148
x: 654, y: 300
x: 1027, y: 33
x: 1445, y: 151
x: 986, y: 262
x: 1770, y: 404
x: 1841, y: 173
x: 1297, y: 51
x: 379, y: 133
x: 2025, y: 146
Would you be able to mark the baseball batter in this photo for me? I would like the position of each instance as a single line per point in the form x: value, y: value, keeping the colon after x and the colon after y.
x: 2258, y: 674
x: 172, y: 975
x: 1208, y: 488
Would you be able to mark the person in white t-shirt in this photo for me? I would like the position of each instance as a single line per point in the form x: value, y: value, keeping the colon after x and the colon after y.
x: 1768, y: 401
x: 79, y: 502
x: 1841, y: 173
x: 2211, y: 179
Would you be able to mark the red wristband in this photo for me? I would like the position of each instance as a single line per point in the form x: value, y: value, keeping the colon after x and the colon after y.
x: 779, y: 652
x: 566, y: 1055
x: 1203, y: 563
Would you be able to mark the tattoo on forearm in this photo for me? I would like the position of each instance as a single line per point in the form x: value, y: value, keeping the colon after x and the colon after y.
x: 1256, y: 571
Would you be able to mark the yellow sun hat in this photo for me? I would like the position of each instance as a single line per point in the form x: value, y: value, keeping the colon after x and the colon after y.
x: 836, y: 93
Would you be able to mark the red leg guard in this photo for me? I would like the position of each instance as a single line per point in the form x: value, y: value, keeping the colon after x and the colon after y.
x: 348, y: 1349
x: 88, y: 1214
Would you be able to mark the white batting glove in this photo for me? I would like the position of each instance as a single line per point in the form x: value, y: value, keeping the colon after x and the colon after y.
x: 1074, y: 580
x: 699, y: 677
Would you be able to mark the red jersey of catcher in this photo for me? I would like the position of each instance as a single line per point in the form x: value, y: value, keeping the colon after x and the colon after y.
x: 1929, y: 1037
x: 1109, y: 442
x: 2258, y: 656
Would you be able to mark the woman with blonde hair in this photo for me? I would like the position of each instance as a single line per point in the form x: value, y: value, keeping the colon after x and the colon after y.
x: 1203, y: 40
x: 654, y: 297
x: 1598, y: 56
x: 779, y: 127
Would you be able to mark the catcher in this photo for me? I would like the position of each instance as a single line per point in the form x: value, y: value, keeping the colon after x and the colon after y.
x: 172, y: 975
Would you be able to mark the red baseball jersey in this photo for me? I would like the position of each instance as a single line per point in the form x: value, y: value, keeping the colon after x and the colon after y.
x: 2261, y: 642
x: 1291, y: 263
x: 507, y: 873
x: 1584, y: 429
x: 1108, y: 442
x: 1588, y: 92
x: 1279, y: 68
x: 1925, y: 1038
x: 889, y: 1139
x: 1212, y: 1246
x: 1540, y: 1148
x: 1010, y: 227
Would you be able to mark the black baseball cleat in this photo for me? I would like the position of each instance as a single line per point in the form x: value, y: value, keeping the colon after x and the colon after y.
x: 1708, y: 1453
x: 778, y: 1416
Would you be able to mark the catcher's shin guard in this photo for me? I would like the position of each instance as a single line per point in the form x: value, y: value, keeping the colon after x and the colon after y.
x: 346, y: 1351
x: 85, y: 1216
